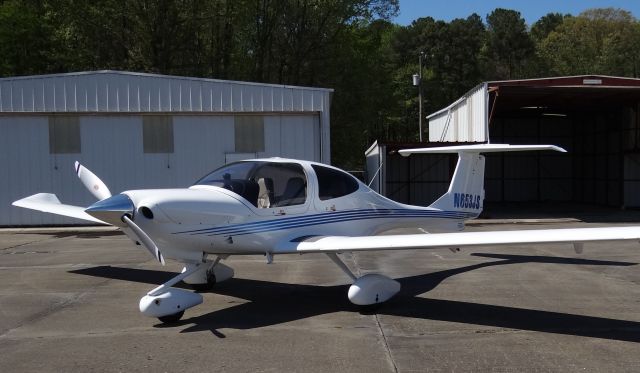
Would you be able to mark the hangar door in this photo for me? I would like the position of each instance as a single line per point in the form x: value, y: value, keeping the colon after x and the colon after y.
x: 286, y: 136
x: 293, y: 136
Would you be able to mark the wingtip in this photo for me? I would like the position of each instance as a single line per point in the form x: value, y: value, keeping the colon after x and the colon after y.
x: 19, y: 202
x: 76, y: 166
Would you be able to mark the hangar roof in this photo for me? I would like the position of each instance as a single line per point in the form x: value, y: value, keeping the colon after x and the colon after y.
x: 467, y: 119
x: 584, y: 92
x: 567, y: 81
x: 120, y: 91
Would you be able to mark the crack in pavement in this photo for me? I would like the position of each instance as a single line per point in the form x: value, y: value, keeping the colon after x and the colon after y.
x: 51, y: 309
x: 26, y: 243
x: 383, y: 336
x: 54, y: 308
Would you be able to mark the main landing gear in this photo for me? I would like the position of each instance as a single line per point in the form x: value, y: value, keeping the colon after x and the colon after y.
x: 207, y: 276
x: 168, y: 304
x: 370, y: 289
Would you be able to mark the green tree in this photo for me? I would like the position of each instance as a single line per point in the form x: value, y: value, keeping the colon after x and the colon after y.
x: 289, y: 41
x: 598, y: 41
x: 365, y: 103
x: 25, y: 39
x: 509, y: 46
x: 452, y: 65
x: 457, y: 63
x: 545, y: 25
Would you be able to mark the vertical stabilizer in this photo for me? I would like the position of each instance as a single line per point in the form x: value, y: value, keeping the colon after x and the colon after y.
x: 466, y: 190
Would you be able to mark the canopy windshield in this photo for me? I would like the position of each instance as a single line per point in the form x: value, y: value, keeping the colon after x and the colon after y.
x: 264, y: 184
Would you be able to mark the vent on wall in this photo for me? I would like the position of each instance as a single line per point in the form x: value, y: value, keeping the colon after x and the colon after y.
x: 249, y: 133
x: 64, y: 134
x: 157, y: 133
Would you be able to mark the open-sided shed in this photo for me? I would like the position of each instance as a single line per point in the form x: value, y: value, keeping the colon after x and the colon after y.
x: 594, y: 117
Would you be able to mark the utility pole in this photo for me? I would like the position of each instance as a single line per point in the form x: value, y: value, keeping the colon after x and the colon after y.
x: 417, y: 81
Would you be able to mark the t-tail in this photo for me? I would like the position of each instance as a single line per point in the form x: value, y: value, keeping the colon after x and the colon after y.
x: 466, y: 191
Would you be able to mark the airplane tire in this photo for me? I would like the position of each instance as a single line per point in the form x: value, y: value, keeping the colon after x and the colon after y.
x: 173, y: 318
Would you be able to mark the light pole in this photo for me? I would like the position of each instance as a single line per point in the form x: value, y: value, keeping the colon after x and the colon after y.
x: 417, y: 81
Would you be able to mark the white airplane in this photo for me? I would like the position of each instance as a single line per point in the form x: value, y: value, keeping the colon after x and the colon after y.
x: 284, y: 206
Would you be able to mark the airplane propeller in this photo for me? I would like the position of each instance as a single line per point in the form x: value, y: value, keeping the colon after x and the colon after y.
x: 146, y: 240
x: 92, y: 182
x: 115, y: 210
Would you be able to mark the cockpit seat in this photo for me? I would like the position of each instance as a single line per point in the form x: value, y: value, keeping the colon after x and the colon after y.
x: 265, y: 193
x: 295, y: 192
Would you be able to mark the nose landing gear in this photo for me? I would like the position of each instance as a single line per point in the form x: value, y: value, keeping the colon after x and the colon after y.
x: 168, y: 304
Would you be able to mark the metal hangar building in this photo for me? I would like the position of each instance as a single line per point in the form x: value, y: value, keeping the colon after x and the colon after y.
x: 144, y: 131
x: 596, y: 118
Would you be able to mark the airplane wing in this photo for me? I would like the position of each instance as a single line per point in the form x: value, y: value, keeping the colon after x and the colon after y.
x: 47, y: 202
x: 577, y: 236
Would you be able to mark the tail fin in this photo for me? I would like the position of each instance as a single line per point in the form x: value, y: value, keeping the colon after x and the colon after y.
x: 466, y: 191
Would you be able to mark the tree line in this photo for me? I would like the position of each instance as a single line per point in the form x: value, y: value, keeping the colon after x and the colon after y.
x: 349, y: 45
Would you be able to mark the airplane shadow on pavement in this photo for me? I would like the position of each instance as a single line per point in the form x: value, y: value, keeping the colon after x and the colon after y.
x: 271, y: 303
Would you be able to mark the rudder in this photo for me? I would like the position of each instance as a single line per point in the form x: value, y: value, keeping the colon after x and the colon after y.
x: 466, y: 190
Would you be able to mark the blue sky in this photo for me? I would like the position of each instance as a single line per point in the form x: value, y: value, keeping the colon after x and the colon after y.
x: 531, y: 10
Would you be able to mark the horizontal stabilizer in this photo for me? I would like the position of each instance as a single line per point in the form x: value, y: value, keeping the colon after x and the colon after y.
x: 324, y: 244
x: 47, y: 202
x: 480, y: 148
x: 466, y: 190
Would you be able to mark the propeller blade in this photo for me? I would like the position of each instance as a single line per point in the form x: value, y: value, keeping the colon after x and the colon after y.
x: 144, y: 238
x: 92, y: 182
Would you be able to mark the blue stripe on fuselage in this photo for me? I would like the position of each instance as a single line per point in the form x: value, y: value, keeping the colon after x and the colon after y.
x: 324, y: 218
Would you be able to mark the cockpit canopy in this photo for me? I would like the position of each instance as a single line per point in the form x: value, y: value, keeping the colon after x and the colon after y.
x: 264, y: 184
x: 277, y: 184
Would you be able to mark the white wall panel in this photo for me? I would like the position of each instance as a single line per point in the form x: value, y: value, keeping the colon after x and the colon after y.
x: 26, y: 168
x: 297, y: 134
x: 631, y: 180
x: 201, y: 143
x: 373, y: 167
x: 465, y: 120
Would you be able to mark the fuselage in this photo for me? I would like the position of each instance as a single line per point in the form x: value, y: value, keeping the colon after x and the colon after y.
x: 227, y: 216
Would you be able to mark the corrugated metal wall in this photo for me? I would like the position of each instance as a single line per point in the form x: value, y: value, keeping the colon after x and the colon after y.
x: 114, y: 91
x: 632, y: 180
x: 463, y: 121
x: 591, y: 172
x: 112, y: 147
x: 631, y: 156
x: 530, y: 176
x: 419, y: 179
